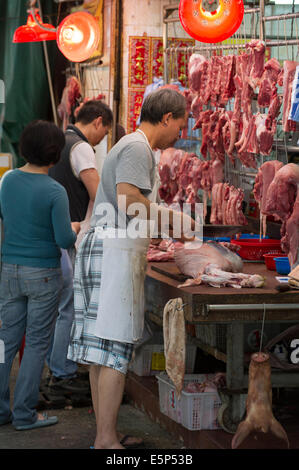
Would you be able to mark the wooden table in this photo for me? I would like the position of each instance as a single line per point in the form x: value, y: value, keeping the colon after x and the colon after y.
x: 211, y: 309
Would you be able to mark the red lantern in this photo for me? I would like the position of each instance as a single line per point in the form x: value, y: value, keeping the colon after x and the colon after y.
x: 78, y: 36
x: 211, y: 21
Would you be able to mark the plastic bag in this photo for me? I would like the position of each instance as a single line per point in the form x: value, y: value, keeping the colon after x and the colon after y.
x: 294, y: 110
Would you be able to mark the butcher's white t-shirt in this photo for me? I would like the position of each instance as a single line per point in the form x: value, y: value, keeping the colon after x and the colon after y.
x: 82, y: 158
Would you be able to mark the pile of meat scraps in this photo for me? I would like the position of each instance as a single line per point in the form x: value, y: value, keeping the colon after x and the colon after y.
x: 208, y: 386
x: 215, y: 264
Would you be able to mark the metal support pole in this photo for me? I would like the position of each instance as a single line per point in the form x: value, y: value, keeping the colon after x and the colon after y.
x: 49, y: 73
x: 262, y: 23
x: 165, y: 36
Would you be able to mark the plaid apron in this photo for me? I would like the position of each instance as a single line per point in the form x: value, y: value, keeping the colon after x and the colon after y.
x: 85, y: 347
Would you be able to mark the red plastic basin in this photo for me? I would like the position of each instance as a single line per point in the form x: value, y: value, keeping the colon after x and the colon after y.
x: 269, y: 259
x: 253, y: 249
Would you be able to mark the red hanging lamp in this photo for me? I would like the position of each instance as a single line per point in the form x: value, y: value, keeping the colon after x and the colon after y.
x: 211, y: 21
x: 77, y: 36
x: 32, y: 32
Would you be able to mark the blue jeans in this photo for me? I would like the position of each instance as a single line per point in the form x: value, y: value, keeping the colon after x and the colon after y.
x: 57, y: 361
x: 29, y: 300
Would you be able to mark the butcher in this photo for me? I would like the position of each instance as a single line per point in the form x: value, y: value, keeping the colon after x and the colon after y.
x: 110, y: 265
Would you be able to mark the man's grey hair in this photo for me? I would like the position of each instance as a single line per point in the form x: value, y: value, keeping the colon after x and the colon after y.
x: 160, y: 102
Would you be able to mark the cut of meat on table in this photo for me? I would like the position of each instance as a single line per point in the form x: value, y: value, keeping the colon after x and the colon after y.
x: 192, y: 262
x: 263, y: 180
x: 175, y: 342
x: 227, y: 205
x: 213, y: 264
x: 259, y: 415
x: 163, y: 251
x: 216, y: 277
x: 282, y: 201
x: 289, y: 69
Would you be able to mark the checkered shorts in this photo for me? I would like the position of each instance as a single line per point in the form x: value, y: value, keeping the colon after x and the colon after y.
x: 85, y: 347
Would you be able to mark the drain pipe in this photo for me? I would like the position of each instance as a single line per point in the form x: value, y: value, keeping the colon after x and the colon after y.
x: 117, y: 62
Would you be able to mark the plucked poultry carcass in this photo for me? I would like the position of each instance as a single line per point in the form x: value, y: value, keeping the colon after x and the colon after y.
x: 259, y: 415
x: 214, y: 264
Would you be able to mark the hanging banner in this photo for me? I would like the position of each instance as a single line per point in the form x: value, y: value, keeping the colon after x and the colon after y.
x: 135, y: 98
x: 146, y: 62
x: 139, y: 63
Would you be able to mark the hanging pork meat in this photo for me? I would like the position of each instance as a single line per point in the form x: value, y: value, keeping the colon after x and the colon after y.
x: 259, y: 415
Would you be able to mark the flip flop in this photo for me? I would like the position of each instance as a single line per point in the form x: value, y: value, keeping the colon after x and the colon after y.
x: 130, y: 446
x: 39, y: 423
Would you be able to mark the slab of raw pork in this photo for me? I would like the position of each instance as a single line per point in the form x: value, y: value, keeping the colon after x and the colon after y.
x: 263, y: 180
x: 283, y: 202
x: 227, y: 205
x: 272, y: 70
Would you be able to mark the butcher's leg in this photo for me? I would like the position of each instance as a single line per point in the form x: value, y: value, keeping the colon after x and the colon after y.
x: 244, y: 429
x: 278, y: 431
x: 94, y: 372
x: 110, y: 387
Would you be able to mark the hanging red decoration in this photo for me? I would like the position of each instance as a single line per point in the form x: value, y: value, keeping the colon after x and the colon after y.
x: 211, y: 21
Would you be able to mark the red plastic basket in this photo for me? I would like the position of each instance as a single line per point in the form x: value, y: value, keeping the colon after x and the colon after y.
x: 269, y: 259
x: 254, y: 249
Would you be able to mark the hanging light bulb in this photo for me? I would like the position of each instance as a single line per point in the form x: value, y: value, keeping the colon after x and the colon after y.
x: 78, y: 36
x: 211, y: 21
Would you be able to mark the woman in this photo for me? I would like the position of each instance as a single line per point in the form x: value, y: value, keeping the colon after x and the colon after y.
x: 35, y: 213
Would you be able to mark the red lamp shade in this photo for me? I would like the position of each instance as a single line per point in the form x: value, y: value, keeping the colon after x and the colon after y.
x: 211, y: 26
x: 78, y: 36
x: 31, y: 32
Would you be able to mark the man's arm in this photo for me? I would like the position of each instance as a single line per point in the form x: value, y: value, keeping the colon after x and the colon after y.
x: 90, y: 178
x: 133, y: 195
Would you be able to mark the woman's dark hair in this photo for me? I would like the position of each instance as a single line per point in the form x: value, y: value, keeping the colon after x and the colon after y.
x: 41, y: 143
x: 92, y: 110
x: 160, y: 102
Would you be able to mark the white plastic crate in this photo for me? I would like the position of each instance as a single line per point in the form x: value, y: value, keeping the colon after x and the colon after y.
x: 194, y: 411
x: 150, y: 359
